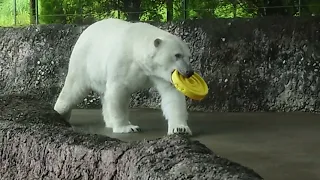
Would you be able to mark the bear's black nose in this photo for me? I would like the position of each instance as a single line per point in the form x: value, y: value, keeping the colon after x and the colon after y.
x: 189, y: 73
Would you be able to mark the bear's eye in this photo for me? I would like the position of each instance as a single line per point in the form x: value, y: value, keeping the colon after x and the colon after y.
x: 178, y: 56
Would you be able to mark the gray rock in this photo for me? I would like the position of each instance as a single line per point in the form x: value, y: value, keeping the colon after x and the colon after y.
x: 39, y: 145
x: 262, y: 64
x: 15, y: 108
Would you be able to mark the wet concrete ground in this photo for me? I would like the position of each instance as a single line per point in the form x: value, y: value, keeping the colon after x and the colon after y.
x: 278, y: 146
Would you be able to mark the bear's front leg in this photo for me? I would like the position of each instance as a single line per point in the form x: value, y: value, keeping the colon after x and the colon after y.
x: 174, y: 107
x: 116, y: 110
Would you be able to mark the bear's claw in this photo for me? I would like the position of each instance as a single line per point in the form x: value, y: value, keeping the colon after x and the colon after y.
x: 180, y: 130
x: 126, y: 129
x: 136, y: 130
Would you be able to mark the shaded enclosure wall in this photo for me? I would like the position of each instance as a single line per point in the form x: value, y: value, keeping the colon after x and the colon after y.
x: 266, y: 64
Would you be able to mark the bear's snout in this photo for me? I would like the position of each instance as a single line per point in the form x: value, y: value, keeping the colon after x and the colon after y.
x: 189, y: 73
x: 184, y: 68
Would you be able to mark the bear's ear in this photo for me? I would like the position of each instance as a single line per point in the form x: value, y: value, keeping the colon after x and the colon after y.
x: 157, y: 42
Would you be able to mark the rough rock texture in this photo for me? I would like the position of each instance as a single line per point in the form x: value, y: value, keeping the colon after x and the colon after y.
x: 39, y: 145
x: 262, y: 64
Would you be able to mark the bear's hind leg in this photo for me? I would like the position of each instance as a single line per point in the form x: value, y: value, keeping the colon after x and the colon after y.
x: 71, y: 94
x: 116, y: 109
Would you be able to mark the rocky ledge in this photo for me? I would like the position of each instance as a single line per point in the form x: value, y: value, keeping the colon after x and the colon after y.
x: 36, y: 143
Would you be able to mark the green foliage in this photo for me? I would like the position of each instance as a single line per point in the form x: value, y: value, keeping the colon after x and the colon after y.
x: 52, y: 11
x: 88, y: 11
x: 7, y: 12
x: 312, y: 7
x: 227, y: 11
x: 153, y: 10
x: 202, y: 9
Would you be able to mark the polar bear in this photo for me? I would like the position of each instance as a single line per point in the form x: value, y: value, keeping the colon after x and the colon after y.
x: 116, y: 58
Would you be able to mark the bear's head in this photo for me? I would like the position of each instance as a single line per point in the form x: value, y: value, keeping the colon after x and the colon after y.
x: 169, y: 54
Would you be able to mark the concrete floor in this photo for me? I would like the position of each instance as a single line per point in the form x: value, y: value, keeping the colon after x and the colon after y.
x: 278, y: 146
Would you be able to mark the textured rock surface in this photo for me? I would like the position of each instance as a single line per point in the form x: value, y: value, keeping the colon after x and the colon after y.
x: 39, y: 145
x: 263, y: 64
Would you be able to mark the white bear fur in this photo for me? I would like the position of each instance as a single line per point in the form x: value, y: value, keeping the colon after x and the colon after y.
x: 116, y: 58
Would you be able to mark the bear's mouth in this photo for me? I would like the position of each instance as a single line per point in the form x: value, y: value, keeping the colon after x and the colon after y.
x: 171, y: 77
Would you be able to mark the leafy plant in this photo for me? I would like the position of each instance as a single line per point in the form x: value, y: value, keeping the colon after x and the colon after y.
x: 8, y: 13
x: 88, y: 11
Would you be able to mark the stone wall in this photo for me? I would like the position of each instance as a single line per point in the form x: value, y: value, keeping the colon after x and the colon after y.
x: 263, y: 64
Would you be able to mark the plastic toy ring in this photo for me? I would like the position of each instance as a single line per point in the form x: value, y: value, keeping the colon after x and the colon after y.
x: 194, y: 87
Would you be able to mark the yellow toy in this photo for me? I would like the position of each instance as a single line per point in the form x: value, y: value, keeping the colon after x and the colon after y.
x: 194, y: 87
